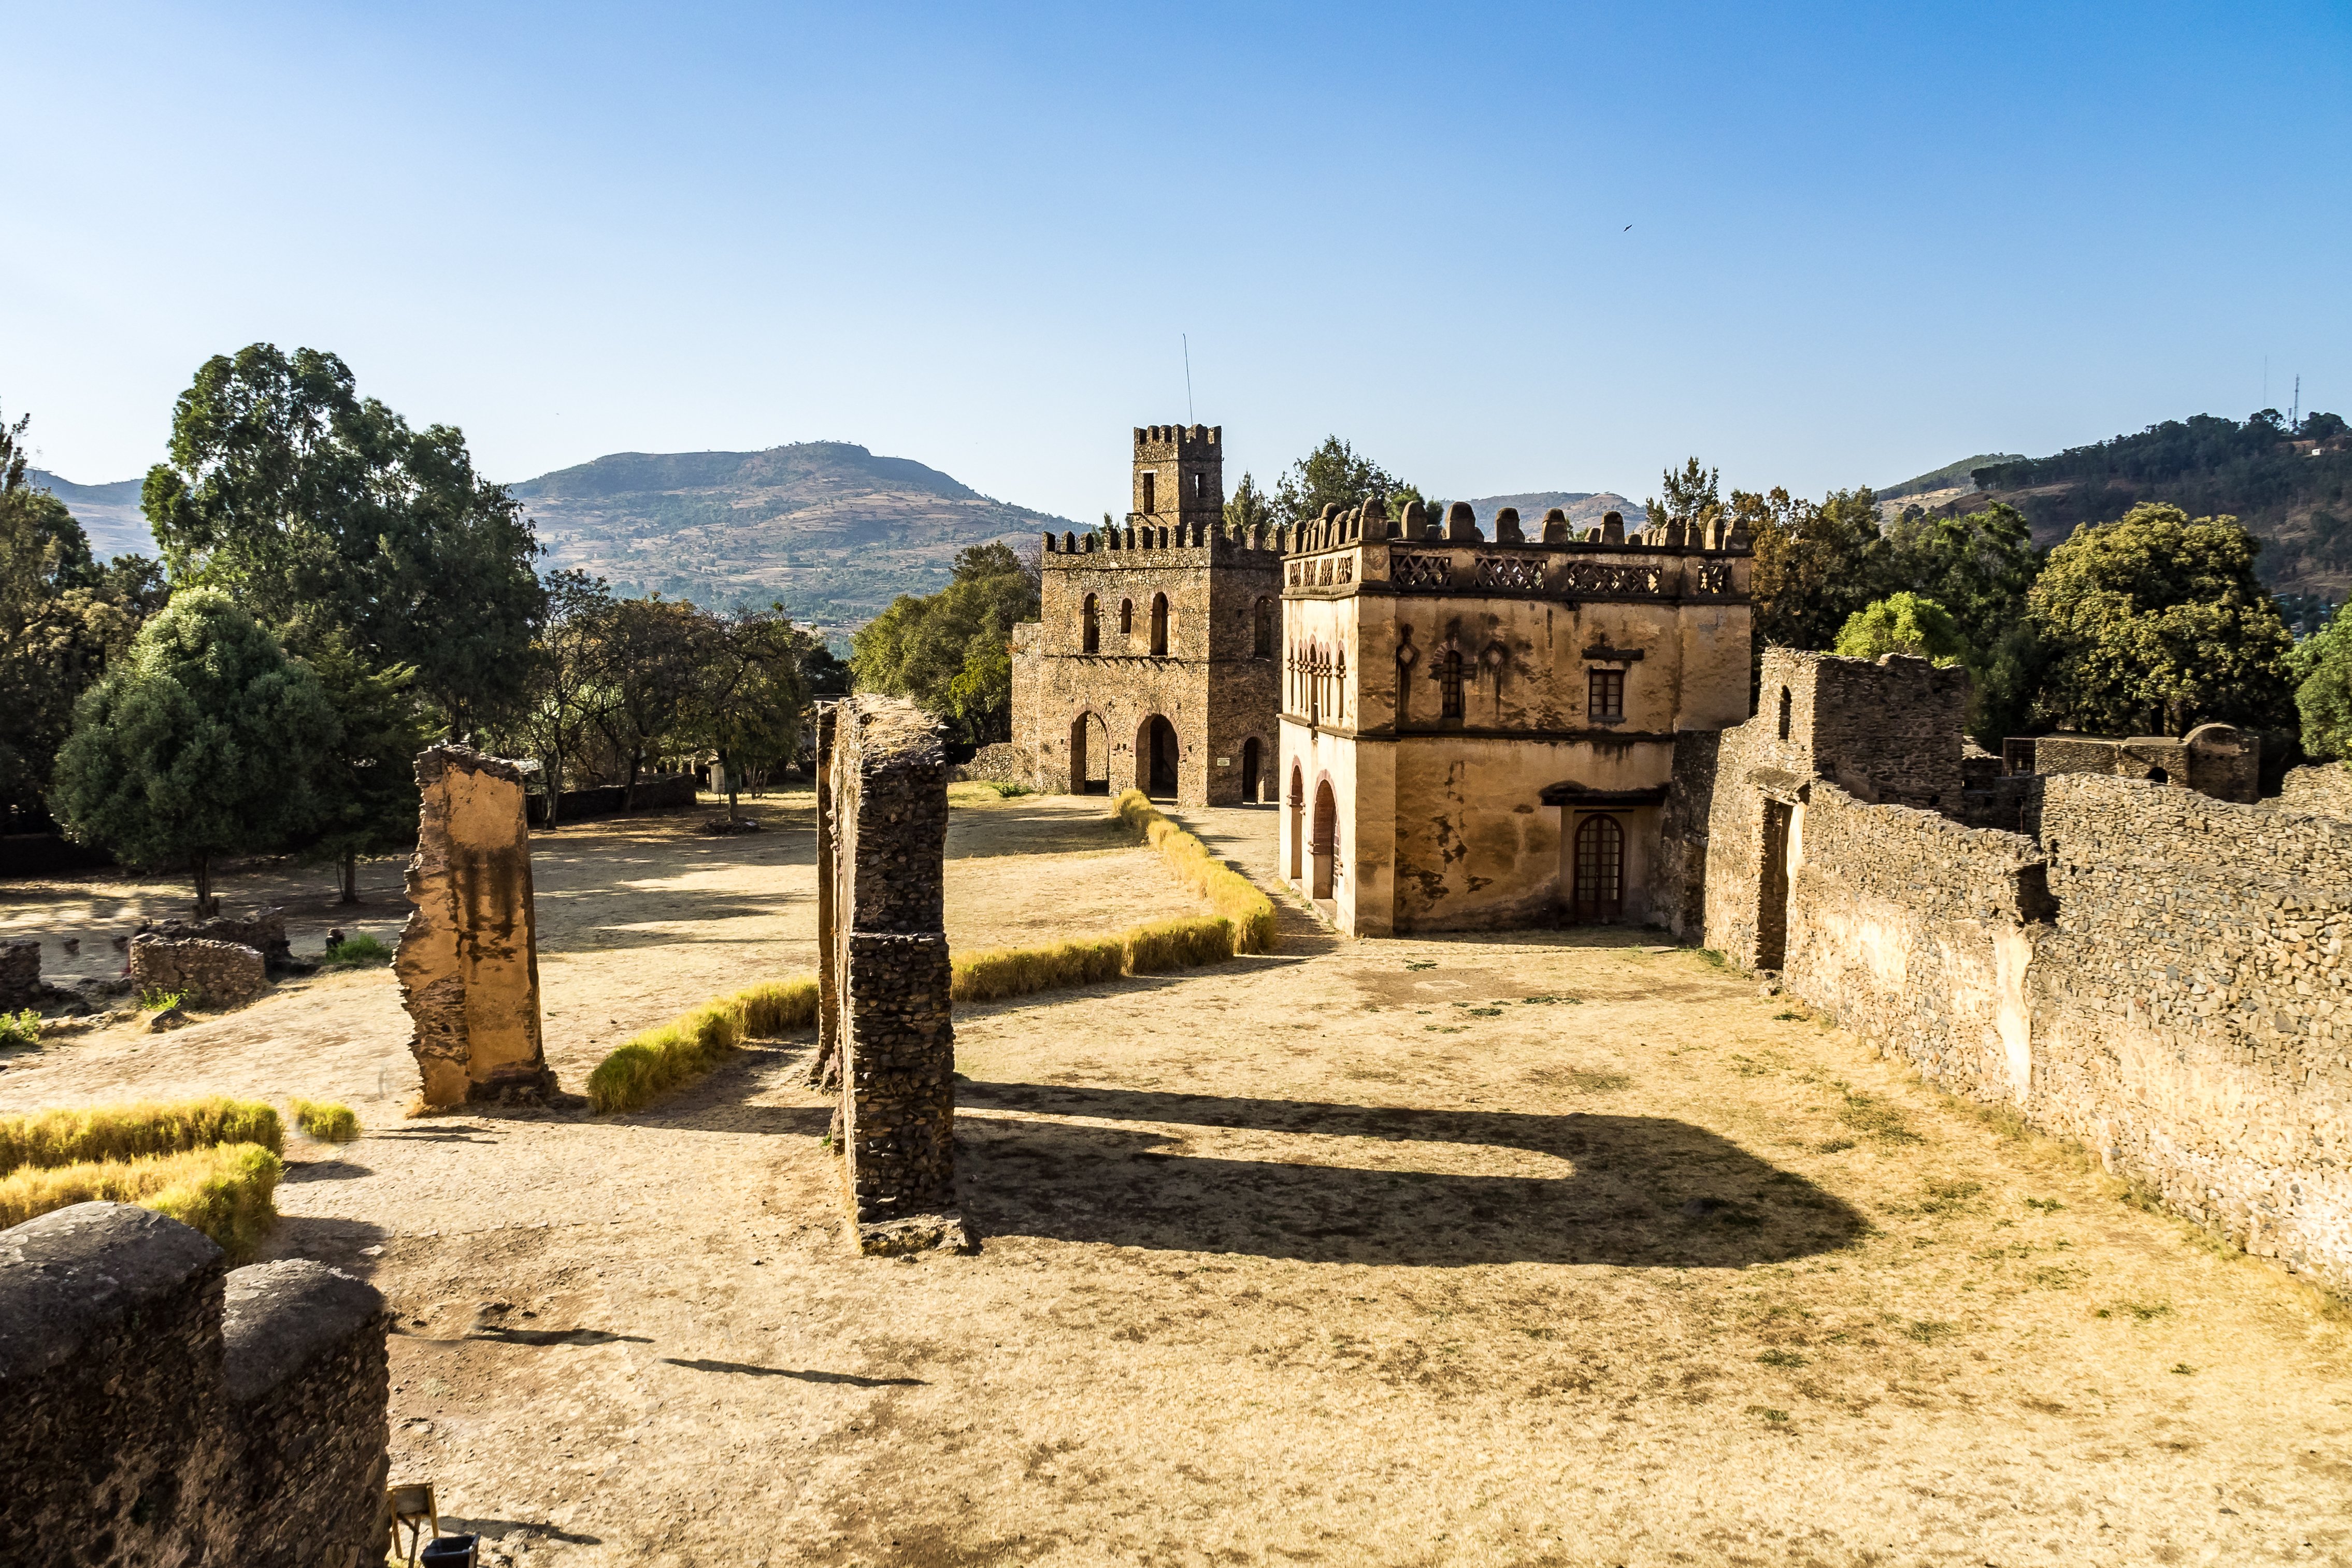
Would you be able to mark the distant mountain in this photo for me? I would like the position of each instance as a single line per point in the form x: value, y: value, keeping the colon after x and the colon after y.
x: 2291, y: 487
x: 826, y: 527
x: 109, y: 514
x: 1585, y: 509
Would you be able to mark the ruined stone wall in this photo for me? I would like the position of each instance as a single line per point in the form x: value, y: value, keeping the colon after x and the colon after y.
x: 2216, y: 759
x: 20, y: 974
x: 213, y: 974
x: 469, y: 958
x: 160, y: 1413
x: 2326, y: 789
x: 1004, y: 762
x: 884, y: 1003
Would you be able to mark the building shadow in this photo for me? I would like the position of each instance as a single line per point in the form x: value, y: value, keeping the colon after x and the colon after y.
x: 341, y: 1244
x: 1641, y: 1191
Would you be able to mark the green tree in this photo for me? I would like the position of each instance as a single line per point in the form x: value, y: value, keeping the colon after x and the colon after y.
x: 2155, y: 623
x: 2320, y: 666
x: 63, y: 618
x: 566, y: 692
x: 1249, y: 507
x: 1816, y: 563
x: 367, y: 779
x: 921, y: 648
x: 1980, y: 567
x: 1904, y: 623
x: 1331, y: 474
x: 749, y: 697
x: 290, y: 489
x: 1692, y: 498
x: 204, y: 742
x: 645, y: 662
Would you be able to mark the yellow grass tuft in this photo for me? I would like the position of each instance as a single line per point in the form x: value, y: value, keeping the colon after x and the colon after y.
x: 51, y: 1139
x: 1232, y: 894
x: 660, y: 1058
x: 1178, y: 943
x: 225, y: 1191
x: 996, y: 973
x: 327, y: 1121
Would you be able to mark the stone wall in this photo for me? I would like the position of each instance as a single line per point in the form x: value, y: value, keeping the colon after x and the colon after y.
x: 261, y: 929
x: 2216, y: 759
x: 20, y: 974
x: 1005, y: 762
x: 2324, y: 789
x: 213, y: 974
x: 469, y: 958
x: 2146, y: 970
x: 883, y: 996
x: 143, y: 1428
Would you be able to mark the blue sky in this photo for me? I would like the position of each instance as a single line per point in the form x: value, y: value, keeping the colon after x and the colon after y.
x: 1863, y: 240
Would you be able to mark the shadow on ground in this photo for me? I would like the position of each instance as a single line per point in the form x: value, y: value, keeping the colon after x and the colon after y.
x: 1643, y: 1191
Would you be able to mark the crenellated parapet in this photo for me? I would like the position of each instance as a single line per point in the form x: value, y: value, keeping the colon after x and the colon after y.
x: 1162, y: 544
x: 1362, y: 549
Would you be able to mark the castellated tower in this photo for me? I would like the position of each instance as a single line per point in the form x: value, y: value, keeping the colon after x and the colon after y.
x: 1180, y: 476
x: 1155, y: 662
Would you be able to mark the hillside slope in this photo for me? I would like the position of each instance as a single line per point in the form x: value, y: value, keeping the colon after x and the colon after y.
x: 109, y: 514
x: 2292, y: 489
x: 1585, y: 509
x: 828, y: 528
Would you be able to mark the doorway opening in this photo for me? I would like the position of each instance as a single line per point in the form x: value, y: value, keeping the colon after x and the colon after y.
x: 1298, y: 825
x: 1158, y: 758
x: 1249, y: 771
x: 1089, y: 756
x: 1772, y: 910
x: 1327, y: 837
x: 1600, y: 869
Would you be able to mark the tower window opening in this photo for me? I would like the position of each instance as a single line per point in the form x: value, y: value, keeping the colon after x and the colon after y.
x: 1159, y: 625
x: 1126, y: 617
x: 1786, y: 703
x: 1090, y: 627
x: 1150, y: 484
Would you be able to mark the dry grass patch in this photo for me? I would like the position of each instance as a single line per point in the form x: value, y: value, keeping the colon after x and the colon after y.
x: 328, y: 1123
x: 225, y: 1192
x: 51, y: 1139
x: 1232, y: 894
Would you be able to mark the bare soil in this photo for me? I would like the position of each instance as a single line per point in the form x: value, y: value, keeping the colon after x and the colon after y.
x: 1559, y: 1247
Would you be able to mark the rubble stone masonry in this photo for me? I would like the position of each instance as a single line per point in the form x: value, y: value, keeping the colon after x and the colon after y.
x: 2152, y: 972
x: 212, y: 974
x: 882, y: 1000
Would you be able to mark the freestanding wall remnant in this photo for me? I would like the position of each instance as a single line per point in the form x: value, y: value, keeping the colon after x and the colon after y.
x: 883, y: 1011
x: 469, y: 961
x: 160, y: 1411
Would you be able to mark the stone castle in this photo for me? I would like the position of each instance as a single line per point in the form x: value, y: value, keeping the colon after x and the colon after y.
x: 2114, y: 938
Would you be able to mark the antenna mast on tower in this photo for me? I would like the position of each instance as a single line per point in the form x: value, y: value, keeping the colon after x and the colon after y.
x: 1187, y: 339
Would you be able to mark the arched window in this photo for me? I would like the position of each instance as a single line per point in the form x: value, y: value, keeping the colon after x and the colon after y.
x: 1126, y: 617
x: 1449, y: 684
x: 1786, y: 703
x: 1090, y: 628
x: 1265, y: 628
x: 1159, y: 625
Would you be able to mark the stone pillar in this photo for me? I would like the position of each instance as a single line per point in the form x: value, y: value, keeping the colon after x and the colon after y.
x: 469, y: 961
x: 884, y: 999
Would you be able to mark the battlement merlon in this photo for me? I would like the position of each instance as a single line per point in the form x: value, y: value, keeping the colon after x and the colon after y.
x: 1174, y: 442
x: 1140, y: 543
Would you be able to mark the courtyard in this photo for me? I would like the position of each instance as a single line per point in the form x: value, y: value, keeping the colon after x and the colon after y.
x: 1537, y: 1247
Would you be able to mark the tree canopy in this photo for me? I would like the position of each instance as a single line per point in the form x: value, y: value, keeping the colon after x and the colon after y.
x: 204, y: 742
x: 950, y: 651
x: 2321, y: 670
x: 1335, y: 475
x: 1904, y: 624
x: 310, y: 502
x: 2156, y: 623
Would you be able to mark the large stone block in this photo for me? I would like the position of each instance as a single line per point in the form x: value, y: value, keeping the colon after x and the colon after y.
x: 469, y: 961
x: 109, y: 1362
x: 212, y: 974
x: 20, y: 973
x: 303, y: 1439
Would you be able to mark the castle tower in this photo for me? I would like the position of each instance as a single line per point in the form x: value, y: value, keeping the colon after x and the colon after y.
x: 1155, y: 659
x: 1180, y: 476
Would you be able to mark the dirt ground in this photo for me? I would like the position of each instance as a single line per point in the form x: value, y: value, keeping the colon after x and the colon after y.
x: 1557, y: 1247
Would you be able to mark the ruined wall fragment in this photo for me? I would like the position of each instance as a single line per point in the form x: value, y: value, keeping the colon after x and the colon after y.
x: 468, y: 960
x: 883, y: 1000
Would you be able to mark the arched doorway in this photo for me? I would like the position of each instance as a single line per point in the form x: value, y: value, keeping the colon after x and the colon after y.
x: 1600, y: 869
x: 1327, y: 837
x: 1156, y: 758
x: 1249, y: 771
x: 1297, y: 813
x: 1089, y: 756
